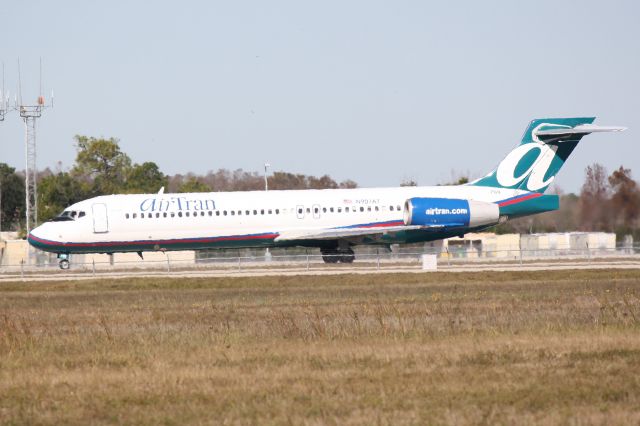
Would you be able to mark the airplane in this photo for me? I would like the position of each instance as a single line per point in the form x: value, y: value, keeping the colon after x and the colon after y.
x: 333, y: 220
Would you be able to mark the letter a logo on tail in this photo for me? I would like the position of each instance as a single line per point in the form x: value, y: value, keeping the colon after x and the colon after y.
x: 545, y: 146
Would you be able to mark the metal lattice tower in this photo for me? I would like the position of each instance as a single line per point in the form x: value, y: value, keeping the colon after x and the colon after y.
x: 3, y: 99
x: 29, y: 115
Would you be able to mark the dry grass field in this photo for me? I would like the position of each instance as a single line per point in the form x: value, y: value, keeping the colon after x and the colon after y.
x: 478, y: 348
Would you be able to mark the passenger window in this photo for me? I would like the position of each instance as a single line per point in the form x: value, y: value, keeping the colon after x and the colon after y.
x: 81, y: 214
x: 331, y: 209
x: 157, y: 215
x: 210, y: 213
x: 173, y: 214
x: 299, y: 211
x: 391, y: 208
x: 224, y: 212
x: 270, y: 211
x: 277, y: 211
x: 346, y: 209
x: 134, y: 215
x: 141, y: 215
x: 247, y: 212
x: 368, y: 208
x: 187, y: 214
x: 340, y: 209
x: 201, y: 213
x: 361, y: 209
x: 324, y: 210
x: 217, y: 212
x: 179, y: 214
x: 233, y: 213
x: 126, y: 216
x: 255, y: 212
x: 262, y: 211
x: 377, y: 209
x: 398, y: 208
x: 315, y: 210
x: 308, y: 210
x: 164, y: 214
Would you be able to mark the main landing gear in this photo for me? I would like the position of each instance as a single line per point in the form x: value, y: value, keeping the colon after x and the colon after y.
x: 335, y: 255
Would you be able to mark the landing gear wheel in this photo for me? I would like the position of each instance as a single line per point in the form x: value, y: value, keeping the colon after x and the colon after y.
x: 64, y: 264
x: 338, y: 255
x: 330, y: 256
x: 348, y: 256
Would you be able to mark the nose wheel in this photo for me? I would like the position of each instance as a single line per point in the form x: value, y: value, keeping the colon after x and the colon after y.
x: 63, y: 261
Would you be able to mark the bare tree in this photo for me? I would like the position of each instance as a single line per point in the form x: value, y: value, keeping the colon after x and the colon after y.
x: 625, y: 201
x: 594, y: 200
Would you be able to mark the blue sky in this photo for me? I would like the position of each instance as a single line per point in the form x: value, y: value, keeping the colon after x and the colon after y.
x: 373, y: 91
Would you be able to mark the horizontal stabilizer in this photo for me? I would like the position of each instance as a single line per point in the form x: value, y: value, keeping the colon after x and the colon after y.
x: 582, y: 129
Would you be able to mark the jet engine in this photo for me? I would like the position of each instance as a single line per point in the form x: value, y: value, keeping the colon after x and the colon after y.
x: 450, y: 212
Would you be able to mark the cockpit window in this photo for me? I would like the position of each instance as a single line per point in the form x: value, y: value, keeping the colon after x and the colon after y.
x: 67, y: 215
x: 64, y: 216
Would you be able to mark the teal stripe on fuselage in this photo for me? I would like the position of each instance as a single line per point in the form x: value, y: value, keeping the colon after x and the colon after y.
x: 253, y: 241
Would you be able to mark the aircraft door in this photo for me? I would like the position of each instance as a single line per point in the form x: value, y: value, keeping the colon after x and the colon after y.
x: 300, y: 212
x: 100, y: 219
x: 316, y: 211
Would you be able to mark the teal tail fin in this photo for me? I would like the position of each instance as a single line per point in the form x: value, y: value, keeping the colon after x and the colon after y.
x: 545, y: 146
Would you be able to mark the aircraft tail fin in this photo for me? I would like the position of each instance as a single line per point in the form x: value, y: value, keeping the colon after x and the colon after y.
x: 545, y: 146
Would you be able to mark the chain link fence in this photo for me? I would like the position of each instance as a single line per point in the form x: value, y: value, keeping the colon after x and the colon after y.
x: 367, y: 258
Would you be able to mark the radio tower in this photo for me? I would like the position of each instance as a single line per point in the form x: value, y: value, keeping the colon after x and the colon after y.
x: 3, y: 111
x: 29, y: 114
x: 3, y: 100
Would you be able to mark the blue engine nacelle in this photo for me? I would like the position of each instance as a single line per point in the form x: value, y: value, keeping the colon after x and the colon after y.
x: 450, y: 212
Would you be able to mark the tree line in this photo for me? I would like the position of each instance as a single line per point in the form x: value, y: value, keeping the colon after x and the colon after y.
x: 606, y: 203
x: 102, y: 168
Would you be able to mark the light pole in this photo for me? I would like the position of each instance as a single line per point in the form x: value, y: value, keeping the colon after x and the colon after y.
x: 267, y: 253
x: 266, y: 182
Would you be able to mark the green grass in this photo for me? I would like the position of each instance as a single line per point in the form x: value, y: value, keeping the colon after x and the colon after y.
x: 532, y: 347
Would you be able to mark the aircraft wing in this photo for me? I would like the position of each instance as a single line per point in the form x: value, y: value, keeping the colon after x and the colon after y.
x: 346, y: 233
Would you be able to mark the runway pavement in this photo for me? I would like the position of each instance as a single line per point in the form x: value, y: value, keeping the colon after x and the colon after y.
x: 315, y: 269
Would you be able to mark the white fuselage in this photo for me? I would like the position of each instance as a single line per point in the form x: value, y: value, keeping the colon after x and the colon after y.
x: 232, y: 219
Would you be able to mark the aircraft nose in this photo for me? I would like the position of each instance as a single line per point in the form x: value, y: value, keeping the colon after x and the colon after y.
x: 34, y: 235
x: 37, y: 237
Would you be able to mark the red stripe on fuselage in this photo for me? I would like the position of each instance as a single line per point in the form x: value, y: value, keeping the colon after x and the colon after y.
x: 519, y: 199
x: 154, y: 242
x: 380, y: 225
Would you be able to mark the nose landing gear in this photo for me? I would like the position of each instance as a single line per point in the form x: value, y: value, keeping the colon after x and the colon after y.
x: 63, y: 263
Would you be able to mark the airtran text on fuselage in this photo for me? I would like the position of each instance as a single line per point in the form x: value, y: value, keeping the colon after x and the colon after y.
x: 176, y: 204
